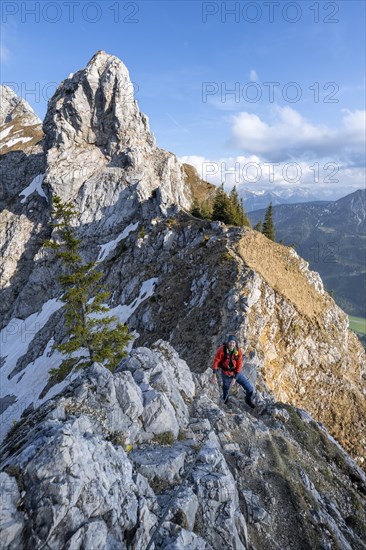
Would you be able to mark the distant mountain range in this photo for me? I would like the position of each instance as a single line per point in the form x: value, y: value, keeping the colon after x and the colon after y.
x: 331, y: 236
x: 255, y: 200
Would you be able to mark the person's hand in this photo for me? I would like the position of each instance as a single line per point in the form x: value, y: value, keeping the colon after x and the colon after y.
x: 214, y: 379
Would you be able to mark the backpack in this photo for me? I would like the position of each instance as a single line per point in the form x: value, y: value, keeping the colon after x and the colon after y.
x: 222, y: 362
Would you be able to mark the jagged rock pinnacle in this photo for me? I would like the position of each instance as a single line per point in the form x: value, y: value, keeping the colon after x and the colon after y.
x: 96, y: 106
x: 93, y: 122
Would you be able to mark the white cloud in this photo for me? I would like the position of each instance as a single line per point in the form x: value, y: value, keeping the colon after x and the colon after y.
x: 289, y: 134
x: 323, y: 177
x: 253, y: 75
x: 354, y: 125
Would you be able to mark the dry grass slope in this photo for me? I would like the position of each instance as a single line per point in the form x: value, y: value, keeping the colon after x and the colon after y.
x: 203, y: 192
x: 280, y: 269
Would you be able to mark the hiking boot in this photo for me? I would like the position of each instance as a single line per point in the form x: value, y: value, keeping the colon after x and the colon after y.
x: 249, y: 400
x: 226, y: 401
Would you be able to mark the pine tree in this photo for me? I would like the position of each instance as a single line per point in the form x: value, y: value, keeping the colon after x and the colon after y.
x: 243, y: 216
x: 268, y: 227
x: 259, y: 226
x: 196, y: 210
x: 238, y: 215
x: 202, y: 210
x: 229, y: 209
x: 102, y: 338
x: 235, y: 207
x: 222, y: 207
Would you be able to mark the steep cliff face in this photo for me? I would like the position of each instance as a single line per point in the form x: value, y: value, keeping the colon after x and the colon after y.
x: 171, y: 276
x: 147, y: 458
x: 23, y: 203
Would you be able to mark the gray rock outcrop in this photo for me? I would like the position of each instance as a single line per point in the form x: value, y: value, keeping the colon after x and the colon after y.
x: 89, y: 468
x: 13, y: 106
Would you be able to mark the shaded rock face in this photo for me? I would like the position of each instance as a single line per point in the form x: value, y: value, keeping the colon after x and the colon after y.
x: 20, y: 149
x: 171, y: 276
x: 23, y: 211
x: 101, y: 463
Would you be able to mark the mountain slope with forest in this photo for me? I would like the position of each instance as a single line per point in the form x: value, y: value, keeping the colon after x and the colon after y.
x: 331, y: 236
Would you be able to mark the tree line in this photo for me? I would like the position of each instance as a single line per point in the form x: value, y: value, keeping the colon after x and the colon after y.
x: 228, y: 208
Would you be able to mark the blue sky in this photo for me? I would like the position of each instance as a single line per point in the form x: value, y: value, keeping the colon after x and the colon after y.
x: 297, y: 68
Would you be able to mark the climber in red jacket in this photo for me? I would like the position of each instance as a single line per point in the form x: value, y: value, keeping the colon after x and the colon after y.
x: 229, y: 358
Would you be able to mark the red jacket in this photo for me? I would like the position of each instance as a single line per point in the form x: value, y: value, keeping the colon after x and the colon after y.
x: 237, y: 360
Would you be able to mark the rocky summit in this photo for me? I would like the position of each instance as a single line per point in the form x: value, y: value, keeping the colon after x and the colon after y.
x: 149, y: 456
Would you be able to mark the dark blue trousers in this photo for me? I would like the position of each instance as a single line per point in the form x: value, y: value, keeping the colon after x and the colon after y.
x: 240, y: 379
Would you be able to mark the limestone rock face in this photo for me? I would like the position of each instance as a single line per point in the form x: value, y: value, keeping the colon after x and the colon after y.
x: 98, y: 144
x: 13, y: 106
x: 96, y: 150
x: 20, y: 130
x: 11, y: 520
x: 88, y: 468
x: 96, y: 106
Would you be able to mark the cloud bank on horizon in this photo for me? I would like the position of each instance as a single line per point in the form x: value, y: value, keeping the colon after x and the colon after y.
x: 290, y: 151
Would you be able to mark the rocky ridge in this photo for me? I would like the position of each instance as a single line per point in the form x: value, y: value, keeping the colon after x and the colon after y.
x: 100, y: 464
